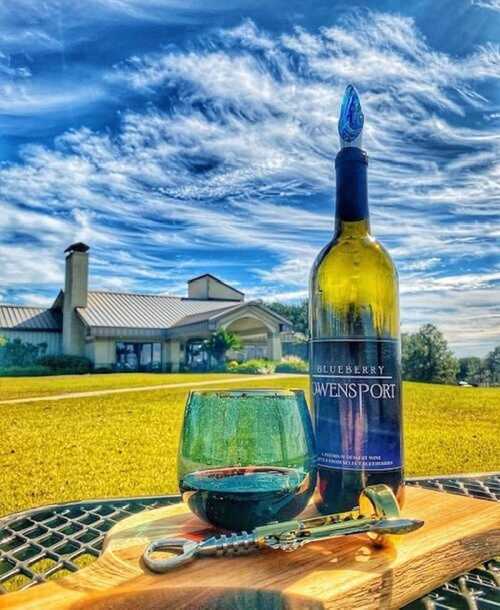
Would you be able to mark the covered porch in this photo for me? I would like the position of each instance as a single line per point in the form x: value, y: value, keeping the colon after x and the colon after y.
x: 257, y: 327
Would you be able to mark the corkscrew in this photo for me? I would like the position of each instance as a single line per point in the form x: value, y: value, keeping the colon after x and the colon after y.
x: 377, y: 515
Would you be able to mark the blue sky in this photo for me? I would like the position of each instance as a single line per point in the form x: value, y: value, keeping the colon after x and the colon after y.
x: 177, y: 139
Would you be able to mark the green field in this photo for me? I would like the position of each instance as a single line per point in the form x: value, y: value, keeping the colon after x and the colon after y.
x: 24, y: 387
x: 126, y: 444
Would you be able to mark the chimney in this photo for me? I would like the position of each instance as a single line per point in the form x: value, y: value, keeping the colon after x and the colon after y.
x: 75, y: 295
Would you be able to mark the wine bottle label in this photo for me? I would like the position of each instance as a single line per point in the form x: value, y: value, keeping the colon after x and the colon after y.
x: 356, y: 391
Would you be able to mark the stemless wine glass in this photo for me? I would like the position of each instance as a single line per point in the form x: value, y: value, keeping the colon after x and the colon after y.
x: 246, y: 457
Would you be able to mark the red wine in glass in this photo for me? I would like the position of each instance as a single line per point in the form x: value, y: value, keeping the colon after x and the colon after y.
x: 241, y: 498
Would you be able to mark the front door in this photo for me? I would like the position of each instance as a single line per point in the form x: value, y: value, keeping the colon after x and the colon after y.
x: 196, y: 355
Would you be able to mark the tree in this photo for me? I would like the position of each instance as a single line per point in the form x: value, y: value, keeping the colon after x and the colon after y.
x: 426, y: 357
x: 469, y: 369
x: 221, y: 342
x: 297, y: 314
x: 492, y: 365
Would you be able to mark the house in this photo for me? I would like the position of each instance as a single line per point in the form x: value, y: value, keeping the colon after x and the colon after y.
x: 133, y: 331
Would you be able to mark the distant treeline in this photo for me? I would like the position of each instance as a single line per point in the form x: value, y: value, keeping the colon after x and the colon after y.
x: 426, y: 357
x: 425, y: 354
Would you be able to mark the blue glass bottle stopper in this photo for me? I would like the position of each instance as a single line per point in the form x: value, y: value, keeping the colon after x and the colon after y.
x: 351, y: 118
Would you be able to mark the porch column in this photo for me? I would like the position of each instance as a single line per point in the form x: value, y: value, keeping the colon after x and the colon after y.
x: 274, y: 346
x: 165, y: 355
x: 172, y: 355
x: 104, y: 352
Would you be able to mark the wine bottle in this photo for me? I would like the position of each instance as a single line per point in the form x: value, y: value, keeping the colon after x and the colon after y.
x: 355, y: 341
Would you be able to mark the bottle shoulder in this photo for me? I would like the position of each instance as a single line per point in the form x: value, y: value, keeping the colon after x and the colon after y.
x: 360, y: 252
x: 354, y: 290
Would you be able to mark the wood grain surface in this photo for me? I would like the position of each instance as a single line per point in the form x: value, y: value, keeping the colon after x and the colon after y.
x: 344, y: 573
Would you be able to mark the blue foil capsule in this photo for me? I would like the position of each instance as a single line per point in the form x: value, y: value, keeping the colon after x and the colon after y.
x: 351, y: 118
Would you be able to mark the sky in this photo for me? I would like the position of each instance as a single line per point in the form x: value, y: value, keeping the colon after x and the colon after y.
x: 179, y: 137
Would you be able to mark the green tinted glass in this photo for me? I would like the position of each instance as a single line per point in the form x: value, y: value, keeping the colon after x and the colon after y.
x: 246, y: 457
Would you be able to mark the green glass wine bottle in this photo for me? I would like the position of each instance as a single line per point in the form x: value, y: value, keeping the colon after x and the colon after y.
x: 355, y: 341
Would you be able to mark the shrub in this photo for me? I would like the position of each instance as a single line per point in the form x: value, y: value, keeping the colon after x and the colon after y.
x: 68, y: 364
x: 232, y: 364
x: 220, y: 367
x: 220, y: 343
x: 24, y: 371
x: 15, y: 353
x: 292, y: 364
x: 257, y: 366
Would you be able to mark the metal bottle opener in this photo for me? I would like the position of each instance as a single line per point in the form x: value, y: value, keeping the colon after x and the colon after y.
x: 378, y: 514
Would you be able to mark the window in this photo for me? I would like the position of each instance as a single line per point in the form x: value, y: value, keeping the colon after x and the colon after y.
x: 138, y: 356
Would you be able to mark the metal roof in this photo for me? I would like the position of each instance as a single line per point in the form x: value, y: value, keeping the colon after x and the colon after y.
x: 202, y: 317
x: 19, y: 317
x: 219, y: 313
x: 129, y: 310
x: 257, y: 303
x: 125, y: 310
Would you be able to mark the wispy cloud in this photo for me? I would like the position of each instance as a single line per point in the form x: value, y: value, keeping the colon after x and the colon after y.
x: 228, y: 159
x: 494, y: 5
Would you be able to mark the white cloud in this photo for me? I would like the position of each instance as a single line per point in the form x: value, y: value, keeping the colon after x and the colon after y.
x: 421, y: 265
x: 462, y: 282
x: 494, y: 5
x: 293, y: 272
x: 30, y: 26
x: 470, y: 319
x: 242, y: 159
x: 22, y: 94
x: 36, y: 299
x: 25, y: 99
x: 23, y: 266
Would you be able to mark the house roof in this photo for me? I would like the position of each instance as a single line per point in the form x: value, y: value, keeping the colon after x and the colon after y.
x: 129, y: 310
x: 203, y: 316
x: 125, y: 310
x: 199, y: 277
x: 257, y: 303
x: 19, y: 317
x: 219, y: 313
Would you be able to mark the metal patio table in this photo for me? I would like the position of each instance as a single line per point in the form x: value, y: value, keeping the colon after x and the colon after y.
x: 50, y: 541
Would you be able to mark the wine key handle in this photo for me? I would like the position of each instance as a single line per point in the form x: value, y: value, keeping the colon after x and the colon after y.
x: 378, y: 514
x: 184, y: 551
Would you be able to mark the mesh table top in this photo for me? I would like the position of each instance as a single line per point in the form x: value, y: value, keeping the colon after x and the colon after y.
x: 52, y: 541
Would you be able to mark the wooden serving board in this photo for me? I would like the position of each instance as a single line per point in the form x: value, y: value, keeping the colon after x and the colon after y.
x: 344, y: 573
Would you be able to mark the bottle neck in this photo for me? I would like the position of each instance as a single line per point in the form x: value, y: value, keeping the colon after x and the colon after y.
x: 351, y: 206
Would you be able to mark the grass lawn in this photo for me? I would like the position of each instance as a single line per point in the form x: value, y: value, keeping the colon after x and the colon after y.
x: 126, y: 444
x: 24, y: 387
